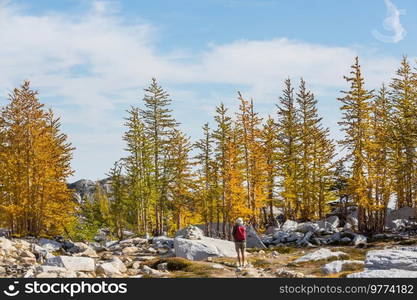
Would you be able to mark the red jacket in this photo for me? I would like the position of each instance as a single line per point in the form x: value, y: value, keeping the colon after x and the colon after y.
x: 239, y: 233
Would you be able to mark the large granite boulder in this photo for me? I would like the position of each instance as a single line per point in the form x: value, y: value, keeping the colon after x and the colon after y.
x: 252, y: 239
x: 71, y: 263
x: 203, y: 248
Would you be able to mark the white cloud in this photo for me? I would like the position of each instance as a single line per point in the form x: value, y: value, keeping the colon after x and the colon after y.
x: 392, y: 23
x: 91, y: 67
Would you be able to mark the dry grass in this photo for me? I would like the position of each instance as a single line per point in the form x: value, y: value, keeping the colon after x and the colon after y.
x: 183, y: 268
x: 410, y: 242
x: 283, y: 249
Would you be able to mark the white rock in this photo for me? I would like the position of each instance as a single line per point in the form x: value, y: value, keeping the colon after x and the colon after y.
x: 359, y: 240
x: 128, y: 233
x: 162, y: 266
x: 333, y: 220
x: 339, y: 266
x: 163, y: 241
x: 88, y: 253
x: 320, y: 254
x: 30, y: 273
x: 151, y: 250
x: 130, y: 250
x: 133, y: 241
x: 96, y: 247
x: 39, y: 251
x: 204, y: 248
x: 46, y: 269
x: 294, y: 237
x: 392, y: 273
x: 27, y: 253
x: 6, y: 244
x: 307, y: 227
x: 149, y: 271
x: 352, y: 219
x: 305, y: 241
x: 217, y: 266
x: 21, y: 244
x: 72, y: 263
x: 391, y: 259
x: 289, y: 225
x: 118, y: 264
x: 49, y: 245
x: 107, y: 269
x: 280, y: 236
x: 111, y: 244
x: 347, y: 227
x: 28, y: 260
x: 79, y: 247
x: 324, y: 226
x: 136, y: 265
x: 190, y: 232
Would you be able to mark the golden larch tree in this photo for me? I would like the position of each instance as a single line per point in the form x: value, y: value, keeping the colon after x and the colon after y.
x: 35, y: 161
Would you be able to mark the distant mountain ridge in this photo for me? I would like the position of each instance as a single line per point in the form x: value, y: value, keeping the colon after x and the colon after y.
x: 86, y: 188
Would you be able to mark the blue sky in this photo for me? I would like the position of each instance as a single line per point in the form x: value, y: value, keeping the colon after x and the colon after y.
x: 90, y: 60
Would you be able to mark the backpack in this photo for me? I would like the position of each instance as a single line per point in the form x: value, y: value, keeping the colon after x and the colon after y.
x: 239, y: 233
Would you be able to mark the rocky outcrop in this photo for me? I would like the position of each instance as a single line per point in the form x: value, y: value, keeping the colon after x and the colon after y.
x: 310, y: 234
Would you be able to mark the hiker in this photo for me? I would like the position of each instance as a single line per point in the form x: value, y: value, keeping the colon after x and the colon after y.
x: 239, y: 236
